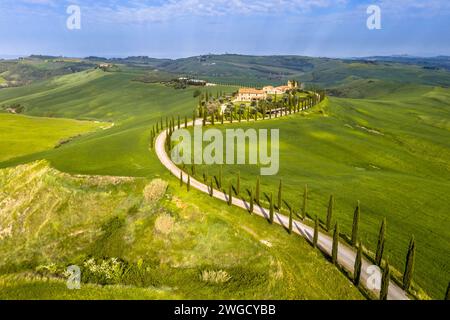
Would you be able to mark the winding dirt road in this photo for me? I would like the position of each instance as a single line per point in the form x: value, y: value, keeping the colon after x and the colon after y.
x: 346, y: 254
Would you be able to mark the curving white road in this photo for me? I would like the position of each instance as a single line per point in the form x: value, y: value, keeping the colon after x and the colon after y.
x: 346, y: 254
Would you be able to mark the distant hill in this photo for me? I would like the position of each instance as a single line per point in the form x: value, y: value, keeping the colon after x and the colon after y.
x: 248, y: 70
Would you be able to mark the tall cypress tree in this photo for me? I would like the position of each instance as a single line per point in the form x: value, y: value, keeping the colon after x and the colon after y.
x: 381, y: 242
x: 188, y: 186
x: 220, y: 177
x: 305, y: 201
x: 334, y: 252
x: 316, y: 232
x: 280, y: 187
x: 211, y: 188
x: 290, y: 220
x: 357, y: 266
x: 230, y: 195
x: 385, y: 280
x: 257, y: 190
x: 409, y: 267
x: 271, y: 213
x: 330, y: 212
x: 181, y: 178
x: 356, y: 217
x: 238, y: 183
x: 251, y: 201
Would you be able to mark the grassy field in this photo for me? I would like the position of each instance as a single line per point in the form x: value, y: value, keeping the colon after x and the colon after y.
x: 23, y: 135
x: 392, y: 154
x: 133, y: 106
x: 168, y: 243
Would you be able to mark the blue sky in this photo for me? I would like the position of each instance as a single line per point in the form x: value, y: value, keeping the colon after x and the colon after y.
x: 181, y: 28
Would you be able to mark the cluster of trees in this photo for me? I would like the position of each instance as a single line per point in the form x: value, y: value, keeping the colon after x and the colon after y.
x: 278, y: 204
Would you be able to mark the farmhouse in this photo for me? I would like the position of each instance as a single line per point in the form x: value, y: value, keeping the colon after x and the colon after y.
x: 248, y: 94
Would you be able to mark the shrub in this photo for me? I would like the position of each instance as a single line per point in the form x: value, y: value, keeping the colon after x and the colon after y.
x: 154, y: 191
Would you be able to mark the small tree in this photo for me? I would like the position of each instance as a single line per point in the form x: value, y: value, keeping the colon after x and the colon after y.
x: 280, y: 187
x: 185, y: 122
x: 271, y: 213
x: 316, y: 232
x: 211, y: 188
x: 188, y: 186
x: 181, y: 178
x: 238, y: 183
x: 409, y: 267
x: 251, y: 201
x: 305, y: 201
x: 381, y: 241
x: 358, y: 265
x: 385, y: 280
x: 356, y: 217
x: 230, y: 195
x: 257, y: 190
x: 220, y: 177
x: 330, y: 212
x: 290, y: 220
x: 334, y: 252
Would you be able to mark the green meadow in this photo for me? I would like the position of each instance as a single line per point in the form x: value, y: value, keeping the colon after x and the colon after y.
x: 23, y: 135
x: 392, y: 154
x: 166, y: 243
x: 387, y: 146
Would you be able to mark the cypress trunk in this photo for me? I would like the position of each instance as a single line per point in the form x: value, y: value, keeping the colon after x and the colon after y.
x: 316, y: 232
x: 356, y: 217
x: 271, y: 213
x: 358, y: 265
x: 334, y: 252
x: 385, y: 280
x: 380, y: 245
x: 409, y: 267
x: 330, y: 212
x: 290, y: 221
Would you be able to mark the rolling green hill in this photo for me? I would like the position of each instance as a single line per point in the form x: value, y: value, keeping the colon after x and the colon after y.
x: 384, y: 141
x: 143, y: 239
x: 392, y: 154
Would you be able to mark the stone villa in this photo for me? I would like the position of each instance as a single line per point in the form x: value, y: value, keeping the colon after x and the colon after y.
x: 249, y: 94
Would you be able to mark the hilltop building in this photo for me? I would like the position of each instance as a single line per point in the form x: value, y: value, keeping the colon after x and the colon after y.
x: 248, y: 94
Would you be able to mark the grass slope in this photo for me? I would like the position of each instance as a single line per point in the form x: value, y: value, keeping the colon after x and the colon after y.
x: 22, y: 135
x: 95, y: 95
x: 393, y: 155
x: 171, y: 247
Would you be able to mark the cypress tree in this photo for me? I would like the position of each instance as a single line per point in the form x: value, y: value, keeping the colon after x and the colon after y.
x: 212, y: 118
x: 316, y: 232
x: 290, y: 220
x: 334, y: 252
x: 305, y: 201
x: 380, y: 245
x: 185, y: 122
x: 211, y: 188
x: 385, y: 280
x: 193, y: 169
x: 230, y: 195
x: 238, y: 183
x: 220, y: 177
x: 221, y: 118
x: 181, y: 178
x: 356, y: 217
x: 447, y: 294
x: 251, y: 201
x: 271, y: 213
x: 257, y: 190
x: 188, y: 186
x: 409, y: 267
x: 358, y: 265
x: 280, y: 187
x: 330, y: 212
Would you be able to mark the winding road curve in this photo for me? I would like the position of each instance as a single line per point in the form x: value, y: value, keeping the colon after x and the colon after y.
x: 346, y: 254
